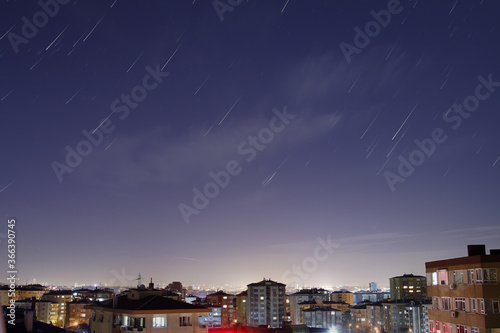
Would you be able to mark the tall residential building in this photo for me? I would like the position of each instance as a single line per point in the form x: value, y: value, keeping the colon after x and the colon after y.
x: 148, y: 314
x: 266, y: 303
x: 408, y: 286
x: 465, y: 292
x: 227, y: 302
x: 418, y: 316
x: 62, y: 297
x: 322, y: 317
x: 372, y: 286
x: 375, y: 316
x: 302, y: 296
x: 342, y: 296
x: 359, y: 318
x: 77, y: 312
x: 397, y: 316
x: 242, y: 307
x: 47, y: 311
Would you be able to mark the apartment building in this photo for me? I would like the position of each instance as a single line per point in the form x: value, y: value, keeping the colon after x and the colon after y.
x: 465, y: 292
x: 408, y: 286
x: 77, y: 312
x: 304, y: 295
x: 242, y: 307
x: 266, y: 303
x: 342, y: 296
x: 322, y: 317
x: 148, y: 314
x: 228, y: 304
x: 62, y: 297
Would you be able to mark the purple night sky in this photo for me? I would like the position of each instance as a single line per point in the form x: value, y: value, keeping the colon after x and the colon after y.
x: 117, y: 114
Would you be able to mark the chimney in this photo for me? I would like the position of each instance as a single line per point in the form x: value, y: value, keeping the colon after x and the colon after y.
x: 115, y: 302
x: 151, y: 285
x: 476, y: 250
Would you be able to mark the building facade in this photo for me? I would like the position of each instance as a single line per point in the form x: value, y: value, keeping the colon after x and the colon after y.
x: 465, y: 292
x: 149, y: 314
x: 302, y: 296
x: 322, y: 317
x: 342, y: 296
x: 266, y: 303
x: 77, y: 312
x: 62, y: 297
x: 242, y: 307
x: 228, y: 305
x: 408, y: 286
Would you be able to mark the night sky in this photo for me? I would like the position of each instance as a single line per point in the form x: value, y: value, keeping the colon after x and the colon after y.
x: 223, y: 142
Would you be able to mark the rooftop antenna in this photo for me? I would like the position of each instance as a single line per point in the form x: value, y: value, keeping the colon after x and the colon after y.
x: 139, y: 281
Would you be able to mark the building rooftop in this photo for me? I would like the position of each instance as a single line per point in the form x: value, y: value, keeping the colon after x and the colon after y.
x: 152, y: 302
x: 266, y: 283
x: 407, y: 276
x: 220, y: 293
x: 324, y: 302
x: 81, y: 301
x: 320, y: 308
x: 32, y: 287
x: 59, y: 292
x: 310, y: 291
x: 476, y: 254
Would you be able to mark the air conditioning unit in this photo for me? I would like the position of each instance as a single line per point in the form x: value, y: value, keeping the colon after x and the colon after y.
x: 454, y: 314
x: 453, y: 286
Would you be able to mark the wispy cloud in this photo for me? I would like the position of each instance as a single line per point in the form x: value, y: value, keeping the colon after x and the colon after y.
x: 155, y: 156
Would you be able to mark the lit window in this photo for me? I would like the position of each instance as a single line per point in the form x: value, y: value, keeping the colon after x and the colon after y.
x: 159, y: 321
x: 442, y: 277
x: 490, y: 275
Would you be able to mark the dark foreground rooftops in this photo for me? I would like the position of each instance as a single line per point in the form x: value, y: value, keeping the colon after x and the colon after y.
x: 152, y: 302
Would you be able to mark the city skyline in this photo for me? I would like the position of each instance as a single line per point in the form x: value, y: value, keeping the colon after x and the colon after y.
x: 319, y: 144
